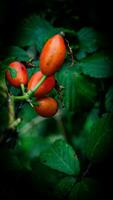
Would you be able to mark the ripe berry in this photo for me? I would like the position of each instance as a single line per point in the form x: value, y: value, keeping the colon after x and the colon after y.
x: 47, y: 107
x: 52, y: 55
x: 21, y: 74
x: 45, y: 87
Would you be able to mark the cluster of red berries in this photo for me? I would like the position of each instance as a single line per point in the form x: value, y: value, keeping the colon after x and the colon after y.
x: 51, y: 59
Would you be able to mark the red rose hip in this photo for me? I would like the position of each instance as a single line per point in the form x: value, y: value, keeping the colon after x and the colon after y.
x: 21, y: 74
x: 47, y: 107
x: 45, y: 87
x: 52, y: 55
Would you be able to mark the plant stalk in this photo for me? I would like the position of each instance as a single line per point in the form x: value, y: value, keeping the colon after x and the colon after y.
x: 30, y: 93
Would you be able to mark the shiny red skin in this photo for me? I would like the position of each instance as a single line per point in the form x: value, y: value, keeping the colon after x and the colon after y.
x: 47, y: 107
x: 52, y: 55
x: 21, y: 74
x: 45, y: 87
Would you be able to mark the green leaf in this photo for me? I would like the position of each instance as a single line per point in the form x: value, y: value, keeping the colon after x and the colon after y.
x: 89, y: 39
x: 31, y: 71
x: 6, y: 62
x: 32, y: 145
x: 109, y: 100
x: 12, y: 72
x: 79, y: 92
x: 86, y: 189
x: 98, y: 65
x: 61, y: 156
x: 100, y: 139
x: 93, y: 115
x: 31, y: 122
x: 18, y: 53
x: 44, y: 177
x: 84, y: 130
x: 35, y: 31
x: 81, y: 54
x: 5, y: 65
x: 27, y: 114
x: 64, y: 186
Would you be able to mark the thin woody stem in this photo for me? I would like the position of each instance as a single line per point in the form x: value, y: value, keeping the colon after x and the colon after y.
x: 11, y: 111
x: 70, y: 51
x: 22, y: 88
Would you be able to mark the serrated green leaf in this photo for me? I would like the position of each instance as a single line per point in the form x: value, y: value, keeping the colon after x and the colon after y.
x: 100, y: 139
x: 109, y: 100
x: 78, y: 91
x: 84, y: 129
x: 86, y: 189
x: 64, y: 186
x: 61, y: 156
x: 98, y: 65
x: 35, y: 31
x: 89, y: 39
x: 19, y: 53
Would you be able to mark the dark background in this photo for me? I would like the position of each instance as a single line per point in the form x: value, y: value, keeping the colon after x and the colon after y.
x: 64, y: 13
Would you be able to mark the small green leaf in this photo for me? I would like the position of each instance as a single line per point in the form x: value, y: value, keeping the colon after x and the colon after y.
x: 12, y: 72
x: 35, y: 31
x: 109, y: 100
x: 86, y: 189
x: 89, y: 39
x: 19, y: 53
x: 100, y: 139
x: 98, y: 65
x: 61, y: 156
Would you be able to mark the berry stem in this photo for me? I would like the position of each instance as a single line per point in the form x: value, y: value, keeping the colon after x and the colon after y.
x: 22, y: 88
x: 30, y: 93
